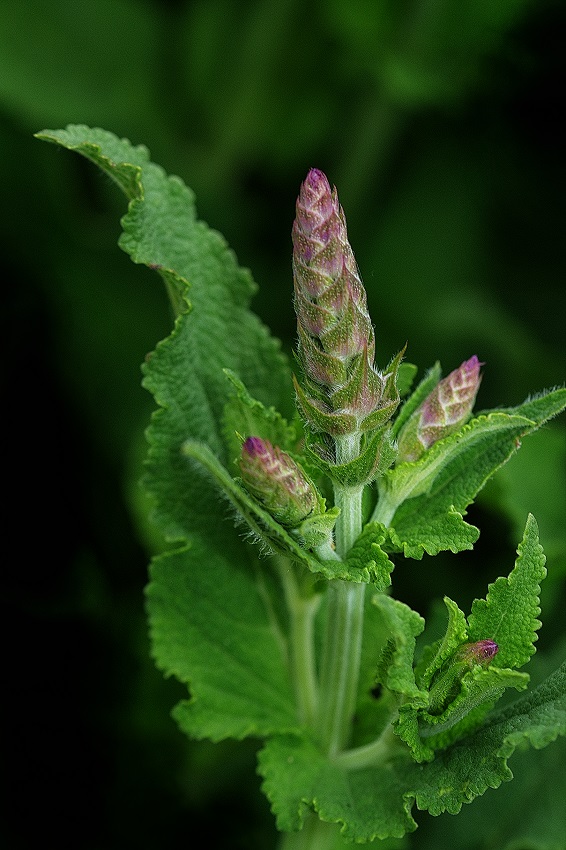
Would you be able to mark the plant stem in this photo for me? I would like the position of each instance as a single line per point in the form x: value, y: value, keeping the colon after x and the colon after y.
x: 343, y: 639
x: 372, y: 753
x: 302, y: 611
x: 340, y: 664
x: 348, y: 499
x: 384, y: 510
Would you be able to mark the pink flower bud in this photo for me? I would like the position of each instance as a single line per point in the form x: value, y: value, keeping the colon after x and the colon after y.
x: 336, y: 337
x: 273, y: 477
x: 442, y: 412
x: 330, y: 298
x: 481, y: 652
x: 446, y: 683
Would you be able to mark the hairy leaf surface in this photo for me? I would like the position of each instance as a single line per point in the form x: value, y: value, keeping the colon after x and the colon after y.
x: 425, y: 501
x: 212, y: 630
x: 215, y: 330
x: 370, y: 802
x: 509, y: 613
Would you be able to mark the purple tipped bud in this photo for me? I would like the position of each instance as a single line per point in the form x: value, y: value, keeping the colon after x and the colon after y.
x: 442, y: 412
x: 481, y: 652
x: 274, y: 478
x: 446, y: 684
x: 336, y: 338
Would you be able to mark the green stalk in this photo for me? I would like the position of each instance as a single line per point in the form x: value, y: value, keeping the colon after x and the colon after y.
x: 344, y: 627
x: 375, y: 752
x: 302, y: 610
x: 340, y: 664
x: 384, y: 510
x: 340, y: 654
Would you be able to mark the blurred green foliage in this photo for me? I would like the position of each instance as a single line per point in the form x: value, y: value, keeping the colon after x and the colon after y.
x: 440, y: 123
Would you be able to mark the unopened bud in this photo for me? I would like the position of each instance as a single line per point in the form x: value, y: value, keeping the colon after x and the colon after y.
x: 447, y: 682
x: 481, y: 652
x: 442, y: 412
x: 336, y: 337
x: 277, y: 481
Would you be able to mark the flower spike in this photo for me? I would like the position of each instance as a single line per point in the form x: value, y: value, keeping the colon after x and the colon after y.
x: 342, y: 387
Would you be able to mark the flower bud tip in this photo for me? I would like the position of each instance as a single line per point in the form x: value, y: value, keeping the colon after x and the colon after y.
x: 481, y: 652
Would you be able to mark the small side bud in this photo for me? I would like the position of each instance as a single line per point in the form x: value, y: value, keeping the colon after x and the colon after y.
x: 442, y: 412
x: 447, y: 682
x: 481, y: 652
x: 277, y: 481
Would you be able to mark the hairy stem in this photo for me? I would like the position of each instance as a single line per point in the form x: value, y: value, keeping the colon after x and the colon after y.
x: 373, y: 753
x: 384, y: 510
x: 340, y: 664
x: 302, y: 610
x: 343, y: 638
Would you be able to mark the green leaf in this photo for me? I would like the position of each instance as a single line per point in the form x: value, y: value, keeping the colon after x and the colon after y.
x: 211, y: 629
x: 480, y: 689
x: 509, y: 614
x: 434, y: 656
x: 367, y: 556
x: 368, y: 803
x: 540, y: 407
x: 376, y: 801
x: 493, y: 820
x: 424, y: 501
x: 245, y: 416
x: 215, y: 331
x: 469, y: 767
x: 396, y: 666
x: 405, y: 377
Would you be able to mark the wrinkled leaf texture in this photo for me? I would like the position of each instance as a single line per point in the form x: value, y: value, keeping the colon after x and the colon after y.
x: 207, y: 608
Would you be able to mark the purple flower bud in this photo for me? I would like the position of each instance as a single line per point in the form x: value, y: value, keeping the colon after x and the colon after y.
x: 481, y: 652
x: 442, y: 412
x: 273, y: 477
x: 330, y: 298
x: 336, y: 338
x: 446, y: 683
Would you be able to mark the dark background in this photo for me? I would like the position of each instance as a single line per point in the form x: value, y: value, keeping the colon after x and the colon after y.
x: 441, y: 125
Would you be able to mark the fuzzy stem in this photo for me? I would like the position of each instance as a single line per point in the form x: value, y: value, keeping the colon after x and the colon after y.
x: 302, y: 611
x: 375, y: 752
x: 343, y: 639
x: 340, y: 663
x: 348, y: 499
x: 384, y: 510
